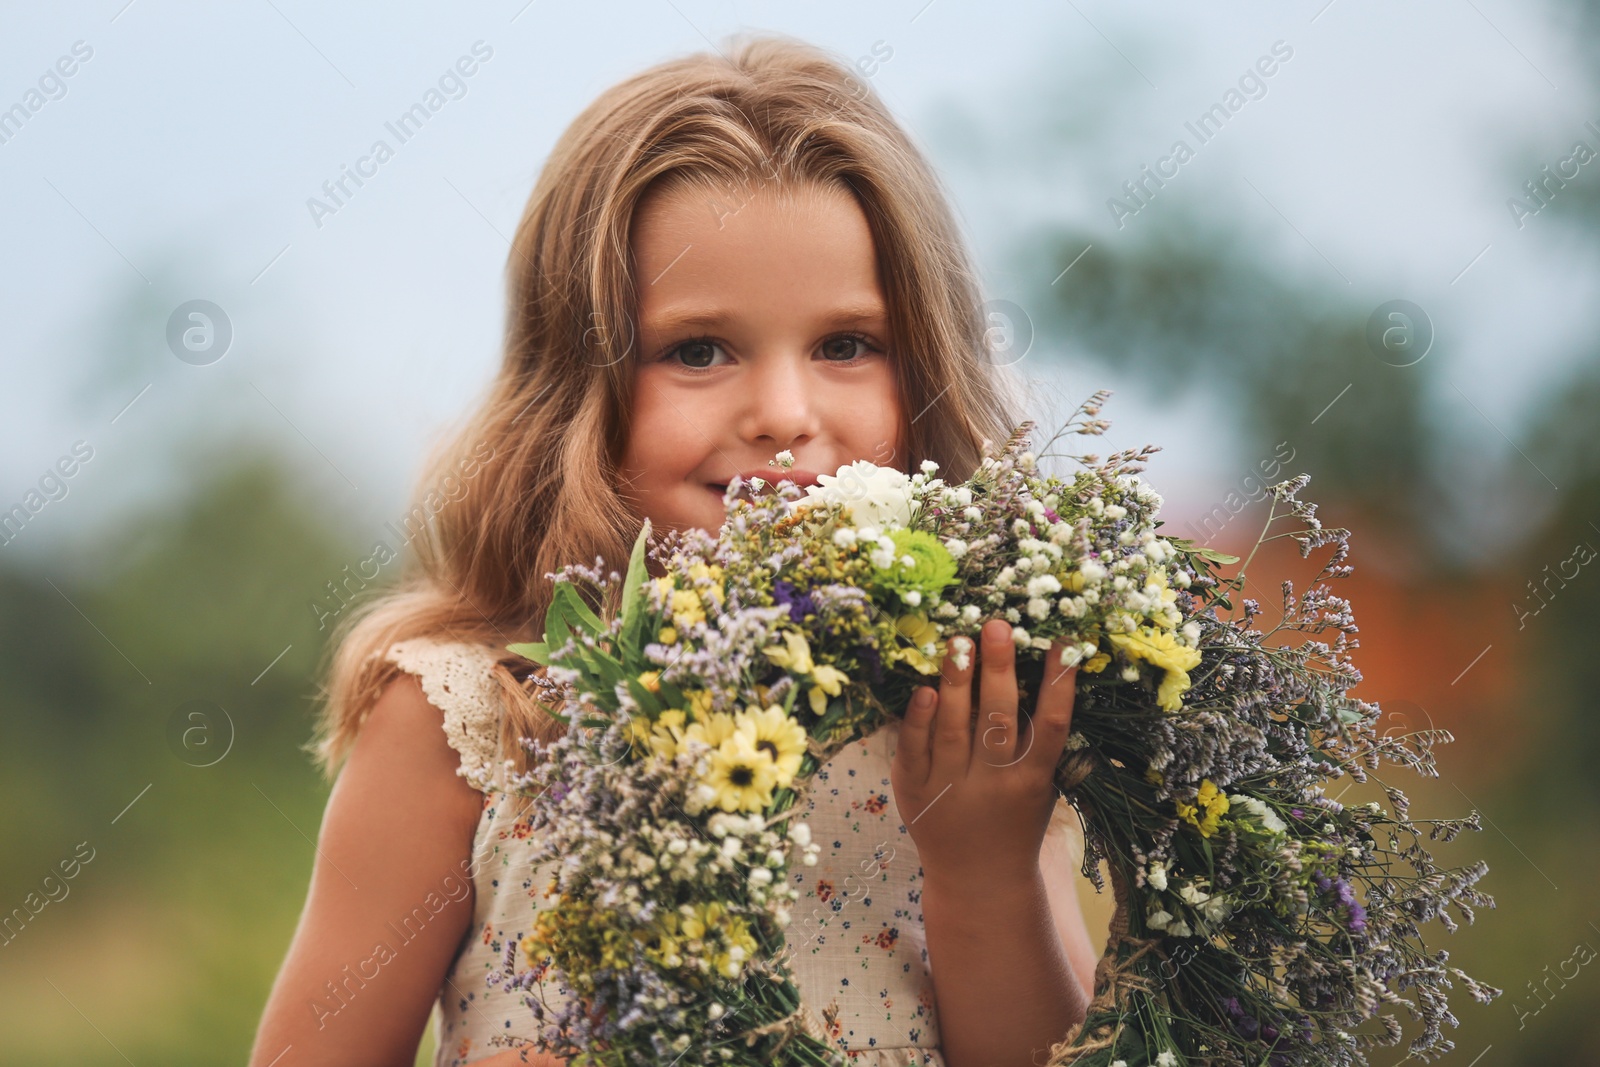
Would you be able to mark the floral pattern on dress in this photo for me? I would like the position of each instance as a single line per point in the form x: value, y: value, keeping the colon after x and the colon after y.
x: 860, y: 950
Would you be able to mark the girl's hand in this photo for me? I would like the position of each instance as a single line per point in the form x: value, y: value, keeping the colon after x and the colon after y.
x: 977, y: 796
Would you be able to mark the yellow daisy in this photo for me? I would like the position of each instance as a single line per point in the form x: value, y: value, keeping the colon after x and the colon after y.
x: 666, y: 737
x: 742, y: 776
x: 780, y: 737
x: 713, y: 728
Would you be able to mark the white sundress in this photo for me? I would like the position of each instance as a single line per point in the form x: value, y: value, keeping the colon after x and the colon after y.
x: 860, y: 954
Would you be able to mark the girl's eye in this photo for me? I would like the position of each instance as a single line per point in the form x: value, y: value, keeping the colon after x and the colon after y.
x: 846, y: 348
x: 697, y: 354
x: 700, y: 353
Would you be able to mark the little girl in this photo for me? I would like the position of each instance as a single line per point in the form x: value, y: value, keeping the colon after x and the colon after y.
x: 725, y: 257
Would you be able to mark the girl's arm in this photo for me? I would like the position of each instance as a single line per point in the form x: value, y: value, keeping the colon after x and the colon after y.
x: 1059, y: 861
x: 979, y: 795
x: 390, y: 899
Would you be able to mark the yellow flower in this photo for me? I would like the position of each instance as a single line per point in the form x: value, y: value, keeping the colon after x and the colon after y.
x: 920, y: 632
x: 795, y: 656
x: 667, y: 636
x: 686, y: 608
x: 664, y: 737
x: 727, y: 936
x: 1211, y: 800
x: 829, y: 679
x: 639, y: 729
x: 830, y: 682
x: 712, y: 728
x: 1096, y: 663
x: 742, y: 776
x: 780, y: 737
x: 699, y: 702
x: 1161, y: 649
x: 698, y: 571
x: 740, y: 946
x: 651, y: 680
x: 669, y: 934
x: 1170, y: 693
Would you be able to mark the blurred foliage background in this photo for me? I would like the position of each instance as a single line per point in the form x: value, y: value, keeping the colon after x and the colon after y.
x: 177, y: 924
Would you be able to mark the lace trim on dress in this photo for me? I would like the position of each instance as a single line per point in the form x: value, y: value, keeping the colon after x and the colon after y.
x: 458, y: 679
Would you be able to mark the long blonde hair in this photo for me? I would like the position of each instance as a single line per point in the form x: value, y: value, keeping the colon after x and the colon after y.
x: 555, y: 417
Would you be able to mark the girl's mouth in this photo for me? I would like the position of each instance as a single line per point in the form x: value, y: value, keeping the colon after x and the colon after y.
x: 747, y: 491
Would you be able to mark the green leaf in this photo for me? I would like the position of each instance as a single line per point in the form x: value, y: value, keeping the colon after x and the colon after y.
x: 1205, y: 553
x: 649, y: 703
x: 631, y: 591
x: 538, y: 652
x: 603, y: 670
x: 635, y: 614
x: 556, y: 631
x: 1348, y: 715
x: 573, y: 610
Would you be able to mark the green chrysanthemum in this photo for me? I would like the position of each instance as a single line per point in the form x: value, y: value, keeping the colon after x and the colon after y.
x: 921, y: 565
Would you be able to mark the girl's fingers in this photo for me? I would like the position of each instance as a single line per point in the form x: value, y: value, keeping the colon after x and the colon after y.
x: 1052, y: 713
x: 952, y: 726
x: 997, y: 695
x: 913, y: 751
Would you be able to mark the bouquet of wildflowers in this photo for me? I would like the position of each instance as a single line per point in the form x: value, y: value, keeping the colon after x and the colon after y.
x: 1257, y: 921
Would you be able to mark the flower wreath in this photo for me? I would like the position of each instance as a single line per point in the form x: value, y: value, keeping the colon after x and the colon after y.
x: 1257, y: 921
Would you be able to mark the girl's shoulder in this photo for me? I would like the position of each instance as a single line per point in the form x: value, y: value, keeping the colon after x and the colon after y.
x: 458, y: 678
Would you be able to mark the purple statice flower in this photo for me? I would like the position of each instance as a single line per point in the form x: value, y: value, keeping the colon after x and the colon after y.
x: 874, y: 662
x: 1355, y: 914
x: 799, y: 604
x: 1244, y: 1023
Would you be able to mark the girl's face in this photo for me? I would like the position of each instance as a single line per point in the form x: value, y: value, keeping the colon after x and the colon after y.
x: 762, y: 327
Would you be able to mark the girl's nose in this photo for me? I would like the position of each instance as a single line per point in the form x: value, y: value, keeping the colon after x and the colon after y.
x: 781, y: 405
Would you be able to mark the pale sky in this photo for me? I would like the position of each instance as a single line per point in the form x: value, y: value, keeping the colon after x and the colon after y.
x: 175, y: 164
